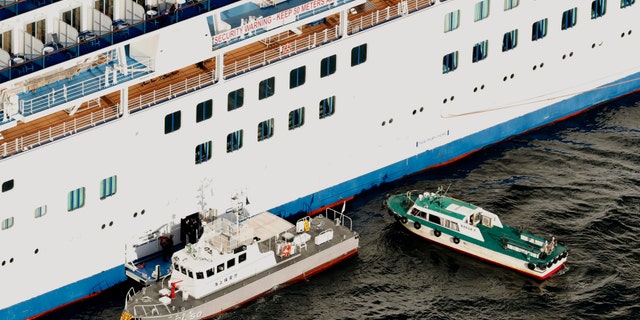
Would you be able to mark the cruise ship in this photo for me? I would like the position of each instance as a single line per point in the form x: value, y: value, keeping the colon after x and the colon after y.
x: 120, y: 118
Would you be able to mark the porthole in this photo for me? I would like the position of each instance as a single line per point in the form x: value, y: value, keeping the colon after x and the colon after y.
x: 36, y: 251
x: 104, y: 226
x: 384, y: 123
x: 414, y: 112
x: 421, y: 109
x: 390, y: 120
x: 110, y: 223
x: 135, y: 214
x: 142, y: 212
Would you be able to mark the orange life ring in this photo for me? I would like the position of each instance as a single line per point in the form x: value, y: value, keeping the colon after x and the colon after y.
x: 286, y: 250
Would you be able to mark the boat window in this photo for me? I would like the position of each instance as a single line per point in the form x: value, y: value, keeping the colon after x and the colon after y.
x: 203, y: 152
x: 482, y: 10
x: 626, y: 3
x: 231, y: 263
x: 451, y: 21
x: 172, y: 122
x: 569, y: 18
x: 108, y: 187
x: 359, y: 55
x: 480, y: 51
x: 328, y: 66
x: 266, y: 88
x: 7, y: 223
x: 297, y: 77
x: 190, y: 274
x: 510, y: 40
x: 327, y: 107
x: 234, y: 141
x: 75, y: 199
x: 176, y: 267
x: 598, y: 8
x: 235, y: 99
x: 450, y: 62
x: 242, y: 258
x: 539, y: 29
x: 7, y: 185
x: 200, y: 275
x: 204, y: 110
x: 415, y: 211
x: 510, y: 4
x: 210, y: 272
x: 454, y: 226
x: 296, y: 118
x: 265, y: 129
x: 183, y: 270
x: 221, y: 267
x: 434, y: 219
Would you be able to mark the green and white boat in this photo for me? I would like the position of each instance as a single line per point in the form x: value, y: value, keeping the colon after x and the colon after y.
x: 476, y: 232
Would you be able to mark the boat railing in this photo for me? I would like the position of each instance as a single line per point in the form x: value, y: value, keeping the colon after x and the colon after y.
x: 280, y: 52
x: 58, y: 131
x: 389, y: 13
x: 139, y: 309
x: 172, y: 90
x: 339, y: 218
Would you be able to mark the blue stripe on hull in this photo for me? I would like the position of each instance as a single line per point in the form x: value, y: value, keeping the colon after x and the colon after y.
x: 68, y: 294
x: 461, y: 147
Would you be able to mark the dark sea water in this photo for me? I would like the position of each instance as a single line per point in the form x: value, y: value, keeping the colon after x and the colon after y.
x: 578, y: 180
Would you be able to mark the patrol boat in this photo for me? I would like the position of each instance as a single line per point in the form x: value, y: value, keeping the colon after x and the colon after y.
x: 239, y: 259
x: 477, y: 232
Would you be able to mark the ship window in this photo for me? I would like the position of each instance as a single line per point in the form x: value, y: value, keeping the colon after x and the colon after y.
x: 176, y: 267
x: 539, y: 30
x: 221, y: 267
x: 203, y: 152
x: 598, y: 8
x: 510, y: 4
x: 450, y: 62
x: 510, y: 40
x: 190, y: 274
x: 482, y: 10
x: 7, y: 223
x: 480, y: 51
x: 327, y: 107
x: 569, y: 18
x: 296, y: 118
x: 183, y: 270
x: 266, y: 88
x: 328, y: 66
x: 210, y: 272
x: 172, y: 122
x: 7, y: 185
x: 108, y: 187
x: 40, y: 212
x: 231, y: 263
x: 75, y: 199
x: 359, y: 55
x: 235, y: 99
x: 297, y: 77
x: 434, y: 219
x: 199, y: 275
x: 234, y: 141
x: 72, y: 17
x: 451, y: 225
x: 265, y: 129
x: 242, y: 257
x: 451, y: 20
x: 626, y: 3
x: 204, y: 110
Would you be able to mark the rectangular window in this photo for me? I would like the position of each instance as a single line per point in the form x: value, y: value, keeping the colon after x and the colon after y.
x: 327, y: 107
x: 235, y: 99
x: 598, y: 8
x: 265, y: 129
x: 434, y: 219
x: 297, y: 77
x: 108, y: 187
x: 451, y: 21
x: 75, y: 199
x: 7, y: 185
x: 266, y: 88
x: 172, y: 122
x: 359, y: 55
x: 7, y: 223
x: 626, y: 3
x: 296, y: 118
x: 510, y: 40
x: 450, y: 62
x: 510, y: 4
x: 203, y: 152
x: 482, y: 10
x: 234, y: 141
x: 210, y: 272
x: 480, y: 51
x: 328, y: 66
x: 231, y: 263
x: 539, y: 30
x: 204, y: 110
x: 242, y: 257
x: 569, y: 18
x: 199, y: 275
x: 40, y: 212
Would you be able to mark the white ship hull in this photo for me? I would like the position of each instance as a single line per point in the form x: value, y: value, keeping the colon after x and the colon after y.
x: 391, y: 120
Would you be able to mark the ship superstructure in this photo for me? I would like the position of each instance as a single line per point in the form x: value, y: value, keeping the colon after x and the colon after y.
x: 117, y: 116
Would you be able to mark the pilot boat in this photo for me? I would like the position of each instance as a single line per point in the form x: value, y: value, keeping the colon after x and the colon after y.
x: 479, y: 233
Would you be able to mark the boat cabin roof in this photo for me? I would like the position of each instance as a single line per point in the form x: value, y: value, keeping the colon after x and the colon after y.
x: 455, y: 209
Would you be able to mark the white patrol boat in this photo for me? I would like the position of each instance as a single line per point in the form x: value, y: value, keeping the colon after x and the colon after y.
x: 237, y: 260
x: 477, y: 232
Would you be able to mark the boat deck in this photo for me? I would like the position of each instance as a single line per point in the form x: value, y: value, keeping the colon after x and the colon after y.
x: 26, y: 135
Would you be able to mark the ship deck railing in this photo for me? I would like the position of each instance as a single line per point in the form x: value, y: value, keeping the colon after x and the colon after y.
x: 81, y: 84
x: 339, y: 218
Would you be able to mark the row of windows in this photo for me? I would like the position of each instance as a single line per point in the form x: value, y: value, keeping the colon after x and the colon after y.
x: 569, y: 17
x: 436, y: 219
x: 510, y: 39
x: 209, y: 272
x: 75, y: 200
